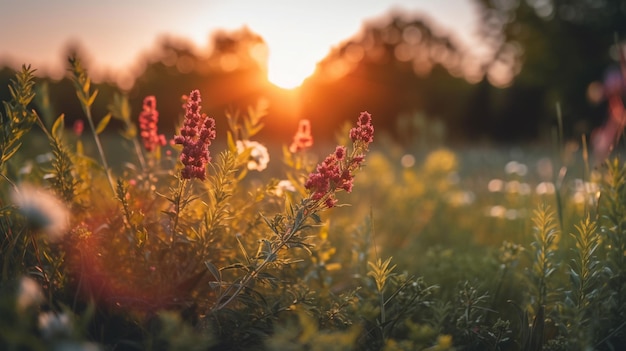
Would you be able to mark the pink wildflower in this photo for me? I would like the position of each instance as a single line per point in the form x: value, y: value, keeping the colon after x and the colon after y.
x: 303, y: 138
x: 364, y: 131
x: 148, y: 119
x: 196, y: 134
x: 325, y: 179
x: 336, y: 172
x: 78, y: 127
x: 606, y: 137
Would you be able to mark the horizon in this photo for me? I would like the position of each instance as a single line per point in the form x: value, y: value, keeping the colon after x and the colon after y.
x: 293, y: 55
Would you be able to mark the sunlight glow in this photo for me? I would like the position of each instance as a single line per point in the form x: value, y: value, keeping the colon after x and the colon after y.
x: 292, y: 30
x: 288, y: 73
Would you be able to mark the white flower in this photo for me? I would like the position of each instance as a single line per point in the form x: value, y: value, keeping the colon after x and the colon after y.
x: 259, y: 157
x: 28, y: 294
x: 52, y: 325
x: 282, y: 186
x: 42, y: 210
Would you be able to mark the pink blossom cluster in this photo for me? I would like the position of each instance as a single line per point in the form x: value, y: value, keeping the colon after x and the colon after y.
x: 148, y: 119
x: 78, y: 127
x: 364, y: 130
x: 303, y: 138
x: 336, y: 172
x: 196, y: 134
x: 605, y: 138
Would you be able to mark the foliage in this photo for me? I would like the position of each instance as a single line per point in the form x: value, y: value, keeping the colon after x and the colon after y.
x: 17, y: 120
x: 422, y: 259
x: 557, y: 50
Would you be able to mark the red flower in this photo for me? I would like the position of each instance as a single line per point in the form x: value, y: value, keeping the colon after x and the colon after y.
x: 364, y: 130
x: 336, y: 172
x: 78, y: 127
x: 303, y: 138
x: 196, y: 134
x: 148, y: 119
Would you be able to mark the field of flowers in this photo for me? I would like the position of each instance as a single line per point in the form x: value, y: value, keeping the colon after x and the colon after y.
x: 185, y: 244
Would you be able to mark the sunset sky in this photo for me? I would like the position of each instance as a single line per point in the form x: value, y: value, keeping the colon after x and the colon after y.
x: 115, y: 33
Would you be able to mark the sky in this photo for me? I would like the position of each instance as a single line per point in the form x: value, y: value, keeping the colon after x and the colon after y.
x: 115, y: 33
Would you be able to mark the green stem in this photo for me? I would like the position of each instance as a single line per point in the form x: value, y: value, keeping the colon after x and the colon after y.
x: 96, y: 138
x: 269, y: 258
x: 177, y: 203
x: 139, y: 152
x: 382, y: 309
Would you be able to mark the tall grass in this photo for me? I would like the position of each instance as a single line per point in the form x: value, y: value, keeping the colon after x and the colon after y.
x: 357, y: 252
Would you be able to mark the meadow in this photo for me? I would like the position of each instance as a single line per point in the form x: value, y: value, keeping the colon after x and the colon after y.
x: 138, y: 242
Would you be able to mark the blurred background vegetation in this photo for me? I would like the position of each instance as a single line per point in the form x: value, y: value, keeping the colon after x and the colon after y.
x: 415, y: 82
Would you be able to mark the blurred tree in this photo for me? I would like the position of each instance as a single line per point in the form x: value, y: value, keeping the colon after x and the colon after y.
x: 397, y: 68
x: 232, y: 74
x: 554, y: 49
x: 403, y: 70
x: 6, y: 74
x: 394, y: 67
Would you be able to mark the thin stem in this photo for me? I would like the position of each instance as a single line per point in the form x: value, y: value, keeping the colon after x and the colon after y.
x: 380, y: 292
x: 382, y: 308
x: 7, y: 258
x: 182, y: 183
x: 244, y: 282
x: 269, y: 258
x: 139, y: 152
x: 86, y: 98
x: 105, y: 164
x: 9, y: 181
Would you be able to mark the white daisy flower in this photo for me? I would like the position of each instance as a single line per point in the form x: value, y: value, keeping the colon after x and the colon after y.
x: 282, y: 186
x: 259, y: 157
x: 42, y: 210
x: 54, y: 324
x: 28, y: 294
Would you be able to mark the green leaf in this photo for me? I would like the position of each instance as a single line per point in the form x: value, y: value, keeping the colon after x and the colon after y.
x: 316, y: 217
x: 237, y: 265
x: 231, y: 143
x: 9, y: 152
x: 86, y: 85
x: 103, y: 123
x: 141, y: 237
x: 575, y: 278
x: 243, y: 250
x: 130, y: 132
x: 270, y: 279
x: 216, y: 272
x: 92, y: 98
x: 58, y: 126
x: 253, y: 130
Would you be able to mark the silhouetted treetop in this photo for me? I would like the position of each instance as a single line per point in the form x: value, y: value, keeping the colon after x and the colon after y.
x: 410, y: 43
x: 556, y: 47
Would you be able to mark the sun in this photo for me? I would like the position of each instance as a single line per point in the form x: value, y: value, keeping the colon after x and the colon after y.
x: 288, y: 70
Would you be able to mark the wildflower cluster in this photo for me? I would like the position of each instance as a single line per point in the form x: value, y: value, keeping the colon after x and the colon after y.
x: 195, y: 136
x: 336, y: 172
x: 240, y: 263
x: 148, y: 119
x: 364, y: 131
